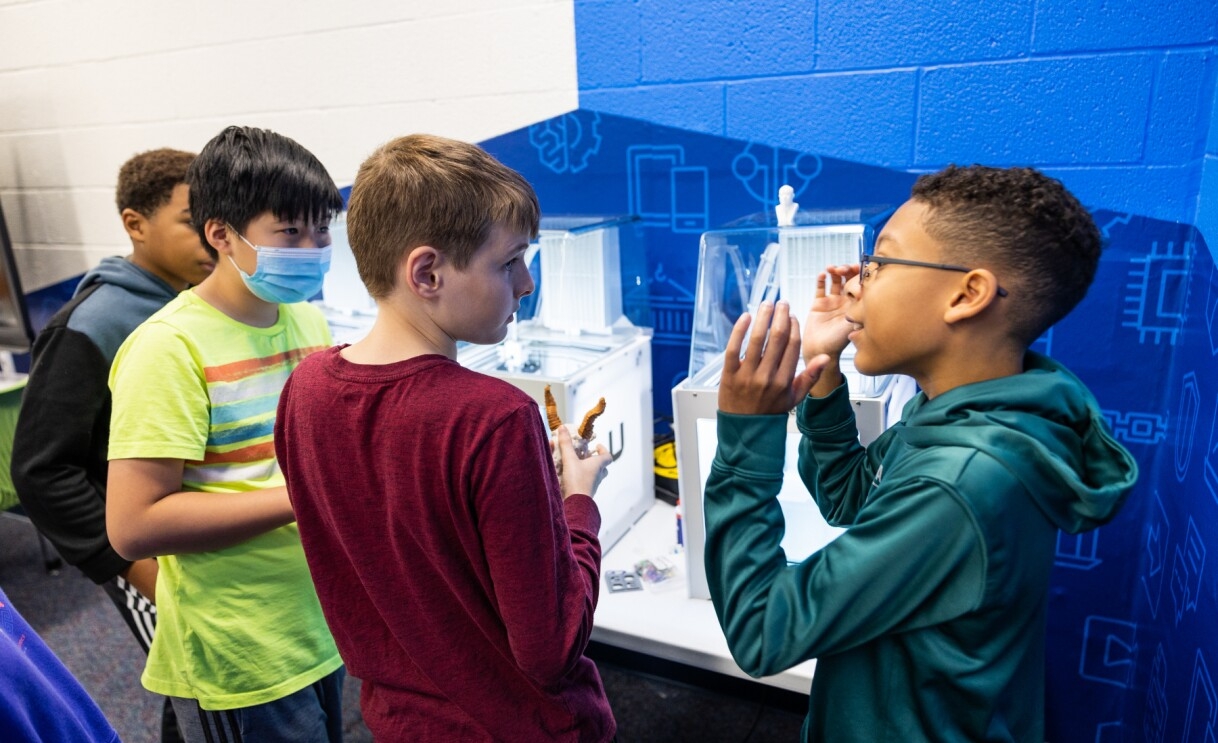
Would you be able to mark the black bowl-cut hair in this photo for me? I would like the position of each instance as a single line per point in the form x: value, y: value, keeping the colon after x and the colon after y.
x: 244, y: 172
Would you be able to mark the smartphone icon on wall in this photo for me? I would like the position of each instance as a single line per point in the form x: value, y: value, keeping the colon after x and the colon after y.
x: 690, y: 189
x: 649, y: 178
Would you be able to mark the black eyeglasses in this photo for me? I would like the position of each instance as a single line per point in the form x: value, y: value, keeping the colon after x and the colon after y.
x: 866, y: 272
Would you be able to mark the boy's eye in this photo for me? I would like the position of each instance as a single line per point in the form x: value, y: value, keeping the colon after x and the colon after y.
x: 291, y: 230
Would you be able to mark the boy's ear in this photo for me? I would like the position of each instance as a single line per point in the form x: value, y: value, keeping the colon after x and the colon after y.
x: 219, y: 235
x: 134, y: 223
x: 978, y: 289
x: 420, y: 271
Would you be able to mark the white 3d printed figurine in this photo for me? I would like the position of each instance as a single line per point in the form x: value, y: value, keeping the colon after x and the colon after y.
x: 765, y: 287
x: 785, y: 210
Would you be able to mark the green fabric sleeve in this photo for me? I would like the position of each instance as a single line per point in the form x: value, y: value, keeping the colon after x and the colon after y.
x: 832, y: 463
x: 912, y: 558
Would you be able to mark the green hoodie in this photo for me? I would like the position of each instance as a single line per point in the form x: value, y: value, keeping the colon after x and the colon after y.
x: 927, y: 615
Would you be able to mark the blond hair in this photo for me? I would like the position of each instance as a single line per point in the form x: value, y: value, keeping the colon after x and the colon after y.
x: 428, y: 190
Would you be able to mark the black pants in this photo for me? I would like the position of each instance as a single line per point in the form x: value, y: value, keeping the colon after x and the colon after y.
x: 140, y: 615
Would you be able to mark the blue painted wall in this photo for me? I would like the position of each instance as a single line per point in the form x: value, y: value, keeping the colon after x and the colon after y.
x: 1117, y: 99
x: 679, y: 184
x: 1207, y: 205
x: 1114, y: 97
x: 1132, y: 652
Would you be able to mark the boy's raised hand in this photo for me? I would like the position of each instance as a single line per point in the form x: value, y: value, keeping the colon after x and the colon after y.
x: 762, y: 379
x: 580, y: 475
x: 827, y: 330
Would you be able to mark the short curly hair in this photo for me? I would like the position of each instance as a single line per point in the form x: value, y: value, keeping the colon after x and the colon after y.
x: 147, y: 180
x: 1024, y: 226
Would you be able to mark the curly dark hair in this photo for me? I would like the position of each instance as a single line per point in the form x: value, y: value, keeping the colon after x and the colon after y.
x: 1024, y: 226
x: 147, y: 180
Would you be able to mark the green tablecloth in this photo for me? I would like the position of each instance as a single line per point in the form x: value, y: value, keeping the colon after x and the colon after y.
x: 10, y: 405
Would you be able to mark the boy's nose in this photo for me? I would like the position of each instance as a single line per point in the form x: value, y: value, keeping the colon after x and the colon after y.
x: 853, y: 288
x: 319, y: 240
x: 526, y: 286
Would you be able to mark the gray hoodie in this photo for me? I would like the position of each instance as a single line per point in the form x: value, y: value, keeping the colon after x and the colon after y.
x: 59, y: 453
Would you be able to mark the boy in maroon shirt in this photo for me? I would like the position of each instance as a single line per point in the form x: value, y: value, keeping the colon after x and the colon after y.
x: 458, y: 573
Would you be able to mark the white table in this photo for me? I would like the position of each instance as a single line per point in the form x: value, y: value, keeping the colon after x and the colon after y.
x: 661, y: 620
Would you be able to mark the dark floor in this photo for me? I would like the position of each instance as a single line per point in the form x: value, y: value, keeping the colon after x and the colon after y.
x: 651, y: 702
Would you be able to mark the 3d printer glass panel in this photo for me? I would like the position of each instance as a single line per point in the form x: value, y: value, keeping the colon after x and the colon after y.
x: 576, y: 266
x: 743, y: 265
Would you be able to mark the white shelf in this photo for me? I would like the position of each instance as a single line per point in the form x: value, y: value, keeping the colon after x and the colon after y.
x: 662, y: 620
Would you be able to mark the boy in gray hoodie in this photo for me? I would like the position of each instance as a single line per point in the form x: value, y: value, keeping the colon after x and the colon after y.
x: 59, y: 452
x: 927, y: 615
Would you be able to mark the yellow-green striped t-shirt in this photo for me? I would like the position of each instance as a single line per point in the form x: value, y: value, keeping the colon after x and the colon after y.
x: 239, y: 626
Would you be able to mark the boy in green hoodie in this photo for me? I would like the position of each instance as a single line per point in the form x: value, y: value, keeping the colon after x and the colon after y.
x: 927, y: 615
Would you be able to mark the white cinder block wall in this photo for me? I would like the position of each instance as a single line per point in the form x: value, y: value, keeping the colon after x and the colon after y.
x: 85, y: 84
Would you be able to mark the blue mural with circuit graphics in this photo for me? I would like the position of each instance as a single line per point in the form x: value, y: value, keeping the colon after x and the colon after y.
x: 678, y: 184
x: 1132, y: 649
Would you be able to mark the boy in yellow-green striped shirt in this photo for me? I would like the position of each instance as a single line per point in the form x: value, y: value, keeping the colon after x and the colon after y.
x: 242, y: 648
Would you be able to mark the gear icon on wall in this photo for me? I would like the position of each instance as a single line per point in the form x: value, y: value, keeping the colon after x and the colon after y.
x: 565, y: 144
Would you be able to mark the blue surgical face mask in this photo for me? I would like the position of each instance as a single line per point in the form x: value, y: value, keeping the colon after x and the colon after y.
x: 285, y: 275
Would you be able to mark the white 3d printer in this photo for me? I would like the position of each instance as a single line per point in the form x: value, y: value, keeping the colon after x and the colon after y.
x: 739, y: 267
x: 571, y: 335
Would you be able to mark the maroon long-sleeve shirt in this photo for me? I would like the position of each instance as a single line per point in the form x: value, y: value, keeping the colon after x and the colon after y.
x: 459, y: 585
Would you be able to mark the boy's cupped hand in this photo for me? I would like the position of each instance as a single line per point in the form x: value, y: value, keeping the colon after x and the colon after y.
x: 826, y: 329
x: 579, y: 475
x: 759, y: 365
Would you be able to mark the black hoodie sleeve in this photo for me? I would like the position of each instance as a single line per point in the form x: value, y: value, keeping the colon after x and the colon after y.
x: 59, y: 453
